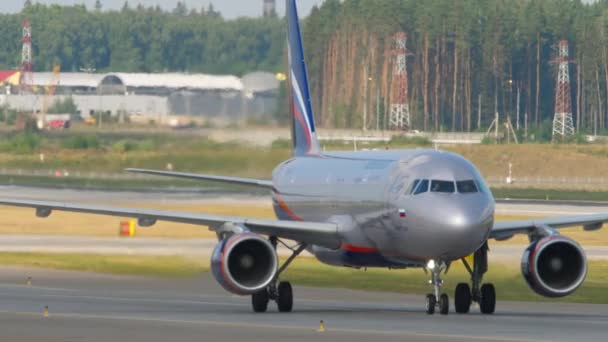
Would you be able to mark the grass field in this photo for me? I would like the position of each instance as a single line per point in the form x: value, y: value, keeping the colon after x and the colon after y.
x: 309, y: 272
x: 531, y: 160
x: 550, y: 194
x: 156, y: 266
x: 191, y: 151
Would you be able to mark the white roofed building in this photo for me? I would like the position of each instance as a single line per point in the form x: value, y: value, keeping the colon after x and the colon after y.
x: 123, y: 83
x: 68, y: 82
x: 157, y: 96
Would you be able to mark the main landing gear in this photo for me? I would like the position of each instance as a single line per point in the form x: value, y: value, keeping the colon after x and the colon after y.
x: 280, y: 292
x: 485, y: 294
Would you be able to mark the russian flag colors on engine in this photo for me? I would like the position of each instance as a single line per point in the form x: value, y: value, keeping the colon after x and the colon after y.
x: 402, y: 213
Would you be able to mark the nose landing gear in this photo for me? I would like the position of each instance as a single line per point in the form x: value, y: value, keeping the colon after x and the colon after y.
x: 437, y: 299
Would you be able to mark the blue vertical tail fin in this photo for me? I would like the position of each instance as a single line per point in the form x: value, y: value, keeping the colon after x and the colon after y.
x: 304, y: 134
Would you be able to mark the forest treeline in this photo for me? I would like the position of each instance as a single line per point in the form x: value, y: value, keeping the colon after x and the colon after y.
x: 468, y: 58
x: 143, y: 39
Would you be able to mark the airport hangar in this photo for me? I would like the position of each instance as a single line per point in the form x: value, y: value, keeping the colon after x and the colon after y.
x: 150, y: 97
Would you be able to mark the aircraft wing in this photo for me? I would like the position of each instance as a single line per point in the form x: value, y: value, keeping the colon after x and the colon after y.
x: 322, y: 234
x: 267, y: 184
x: 506, y: 229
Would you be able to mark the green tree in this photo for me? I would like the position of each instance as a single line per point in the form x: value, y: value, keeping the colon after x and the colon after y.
x: 180, y: 9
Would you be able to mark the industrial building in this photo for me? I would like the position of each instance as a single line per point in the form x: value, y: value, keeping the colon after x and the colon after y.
x: 149, y: 97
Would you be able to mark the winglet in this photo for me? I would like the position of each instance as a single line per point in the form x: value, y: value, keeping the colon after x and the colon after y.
x: 303, y: 121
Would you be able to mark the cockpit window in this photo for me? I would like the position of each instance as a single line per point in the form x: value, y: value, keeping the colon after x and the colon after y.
x: 466, y: 186
x: 442, y: 186
x: 420, y: 186
x: 412, y: 186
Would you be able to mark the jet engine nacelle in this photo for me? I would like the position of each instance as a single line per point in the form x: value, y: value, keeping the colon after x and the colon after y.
x: 554, y: 266
x: 244, y: 263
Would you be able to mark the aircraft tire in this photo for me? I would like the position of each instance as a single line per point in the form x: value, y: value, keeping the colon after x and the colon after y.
x: 285, y: 298
x: 444, y: 304
x: 487, y: 303
x: 259, y: 301
x: 431, y: 301
x: 462, y: 298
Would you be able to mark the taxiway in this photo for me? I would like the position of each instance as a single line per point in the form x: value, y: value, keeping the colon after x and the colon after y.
x: 92, y: 307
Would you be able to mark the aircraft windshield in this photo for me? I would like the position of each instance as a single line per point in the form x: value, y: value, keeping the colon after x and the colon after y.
x: 466, y: 187
x: 419, y: 186
x: 412, y: 186
x: 442, y: 186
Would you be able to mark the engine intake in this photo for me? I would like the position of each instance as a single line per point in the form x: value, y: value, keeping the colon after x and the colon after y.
x: 554, y: 266
x: 244, y: 263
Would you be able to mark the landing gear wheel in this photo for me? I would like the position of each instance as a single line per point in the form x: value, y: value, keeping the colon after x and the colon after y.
x: 444, y: 304
x: 259, y: 301
x: 431, y: 301
x: 487, y: 302
x: 462, y: 298
x: 285, y: 297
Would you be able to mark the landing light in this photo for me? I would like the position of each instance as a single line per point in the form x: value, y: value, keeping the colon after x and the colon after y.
x: 431, y: 264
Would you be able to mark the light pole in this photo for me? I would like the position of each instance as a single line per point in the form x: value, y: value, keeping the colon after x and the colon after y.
x: 366, y: 101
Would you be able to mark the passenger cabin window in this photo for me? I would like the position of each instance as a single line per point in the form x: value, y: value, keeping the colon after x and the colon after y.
x: 421, y: 186
x: 442, y: 186
x: 466, y: 187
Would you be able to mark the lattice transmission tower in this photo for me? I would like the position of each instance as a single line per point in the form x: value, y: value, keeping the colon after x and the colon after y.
x: 399, y: 118
x: 26, y: 79
x: 563, y: 125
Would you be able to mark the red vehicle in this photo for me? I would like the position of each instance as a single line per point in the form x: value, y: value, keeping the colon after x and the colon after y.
x: 58, y: 124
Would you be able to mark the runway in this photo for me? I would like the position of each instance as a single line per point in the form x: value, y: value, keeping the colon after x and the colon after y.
x: 92, y: 307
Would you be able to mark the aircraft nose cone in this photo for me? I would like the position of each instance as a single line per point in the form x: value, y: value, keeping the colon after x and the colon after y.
x: 466, y: 217
x: 446, y: 227
x: 469, y: 225
x: 464, y: 226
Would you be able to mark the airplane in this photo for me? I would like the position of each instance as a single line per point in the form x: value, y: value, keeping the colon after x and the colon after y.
x: 392, y: 209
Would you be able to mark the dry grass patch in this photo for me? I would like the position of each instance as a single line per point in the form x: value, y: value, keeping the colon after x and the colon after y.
x: 157, y: 266
x: 538, y: 159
